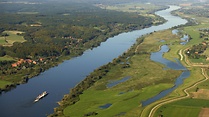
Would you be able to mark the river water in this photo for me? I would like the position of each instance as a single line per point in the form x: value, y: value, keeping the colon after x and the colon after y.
x: 58, y: 80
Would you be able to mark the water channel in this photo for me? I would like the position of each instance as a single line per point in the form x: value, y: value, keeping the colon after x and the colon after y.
x: 58, y: 80
x: 158, y: 57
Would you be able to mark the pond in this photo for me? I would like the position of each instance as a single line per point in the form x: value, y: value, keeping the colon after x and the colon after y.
x: 116, y: 82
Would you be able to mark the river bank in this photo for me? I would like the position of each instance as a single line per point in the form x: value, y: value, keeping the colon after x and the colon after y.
x: 65, y: 76
x: 38, y: 69
x: 143, y: 74
x: 73, y: 98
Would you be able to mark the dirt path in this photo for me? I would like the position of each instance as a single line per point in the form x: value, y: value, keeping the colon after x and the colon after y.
x: 180, y: 98
x: 204, y: 112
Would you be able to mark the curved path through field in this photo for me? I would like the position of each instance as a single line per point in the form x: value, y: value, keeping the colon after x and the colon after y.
x: 166, y: 101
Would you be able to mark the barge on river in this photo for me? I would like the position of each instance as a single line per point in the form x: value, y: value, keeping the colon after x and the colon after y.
x: 42, y: 95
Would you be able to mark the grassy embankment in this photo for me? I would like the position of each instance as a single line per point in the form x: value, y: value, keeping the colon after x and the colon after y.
x: 147, y: 79
x: 197, y: 99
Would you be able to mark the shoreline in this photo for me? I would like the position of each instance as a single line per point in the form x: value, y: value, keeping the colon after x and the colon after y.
x: 60, y: 61
x: 65, y: 101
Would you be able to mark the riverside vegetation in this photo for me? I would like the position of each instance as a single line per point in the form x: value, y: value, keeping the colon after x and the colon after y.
x: 147, y: 79
x: 49, y: 33
x: 196, y: 102
x: 92, y: 96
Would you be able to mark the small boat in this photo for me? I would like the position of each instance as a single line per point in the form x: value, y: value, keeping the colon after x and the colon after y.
x: 40, y: 96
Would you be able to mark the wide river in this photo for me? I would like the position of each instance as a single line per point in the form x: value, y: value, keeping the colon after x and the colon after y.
x: 58, y: 80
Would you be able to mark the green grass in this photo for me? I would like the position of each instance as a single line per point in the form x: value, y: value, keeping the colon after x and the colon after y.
x: 204, y: 85
x: 206, y: 52
x: 178, y: 111
x: 200, y: 60
x: 13, y: 37
x: 183, y: 108
x: 92, y: 99
x: 6, y: 58
x: 4, y: 83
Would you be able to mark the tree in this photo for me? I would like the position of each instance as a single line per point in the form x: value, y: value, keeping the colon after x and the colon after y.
x: 5, y: 36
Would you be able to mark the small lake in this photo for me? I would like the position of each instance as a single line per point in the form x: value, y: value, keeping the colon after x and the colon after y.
x: 158, y: 57
x: 185, y: 40
x: 175, y: 32
x: 116, y: 82
x: 105, y: 106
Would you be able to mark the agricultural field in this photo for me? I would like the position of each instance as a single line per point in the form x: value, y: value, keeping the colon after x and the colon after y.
x: 183, y: 108
x: 11, y: 37
x: 137, y: 7
x: 146, y: 10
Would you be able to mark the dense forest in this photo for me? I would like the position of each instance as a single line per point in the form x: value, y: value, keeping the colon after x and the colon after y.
x: 62, y: 27
x: 53, y: 30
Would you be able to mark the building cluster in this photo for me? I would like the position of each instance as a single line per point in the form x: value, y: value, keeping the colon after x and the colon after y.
x: 29, y: 61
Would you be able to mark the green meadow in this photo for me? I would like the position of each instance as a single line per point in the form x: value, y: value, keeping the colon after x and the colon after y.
x: 183, y: 108
x: 13, y: 37
x: 4, y: 83
x: 6, y: 58
x: 122, y: 102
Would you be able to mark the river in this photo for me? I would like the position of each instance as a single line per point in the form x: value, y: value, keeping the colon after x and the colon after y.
x: 58, y: 80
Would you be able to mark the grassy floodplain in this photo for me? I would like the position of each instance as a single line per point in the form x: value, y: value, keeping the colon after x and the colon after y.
x: 192, y: 104
x: 147, y: 79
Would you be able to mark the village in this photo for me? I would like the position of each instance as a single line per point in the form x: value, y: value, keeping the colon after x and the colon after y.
x: 27, y: 61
